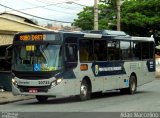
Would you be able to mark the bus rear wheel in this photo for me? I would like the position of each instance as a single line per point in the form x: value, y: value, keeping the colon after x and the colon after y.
x: 85, y: 91
x: 41, y: 99
x: 132, y: 86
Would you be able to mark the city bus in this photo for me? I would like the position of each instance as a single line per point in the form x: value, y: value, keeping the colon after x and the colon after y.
x: 60, y: 64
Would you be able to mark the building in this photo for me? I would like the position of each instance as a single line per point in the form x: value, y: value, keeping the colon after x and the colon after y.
x: 9, y: 25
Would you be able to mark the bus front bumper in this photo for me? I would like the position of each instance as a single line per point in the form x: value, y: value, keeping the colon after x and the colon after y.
x: 58, y: 90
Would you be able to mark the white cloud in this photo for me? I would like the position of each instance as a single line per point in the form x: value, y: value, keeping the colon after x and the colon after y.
x: 59, y: 11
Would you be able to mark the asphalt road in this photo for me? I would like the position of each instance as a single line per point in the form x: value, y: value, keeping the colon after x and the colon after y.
x: 147, y: 99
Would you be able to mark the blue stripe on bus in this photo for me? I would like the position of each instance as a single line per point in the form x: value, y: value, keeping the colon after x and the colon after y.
x: 108, y: 68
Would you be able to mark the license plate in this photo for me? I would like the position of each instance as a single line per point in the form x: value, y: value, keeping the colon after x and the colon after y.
x: 33, y: 90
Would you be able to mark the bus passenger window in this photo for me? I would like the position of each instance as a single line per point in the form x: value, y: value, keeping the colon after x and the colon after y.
x: 83, y: 54
x: 145, y: 50
x: 100, y: 50
x: 125, y: 50
x: 86, y: 50
x: 113, y: 50
x: 137, y: 51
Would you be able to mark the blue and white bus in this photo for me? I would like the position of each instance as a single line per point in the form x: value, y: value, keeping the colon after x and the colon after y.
x: 56, y: 63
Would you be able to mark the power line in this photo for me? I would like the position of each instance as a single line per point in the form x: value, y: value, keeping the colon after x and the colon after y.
x: 45, y: 8
x: 69, y: 8
x: 51, y: 3
x: 67, y: 2
x: 48, y: 2
x: 71, y: 2
x: 34, y: 15
x: 39, y: 6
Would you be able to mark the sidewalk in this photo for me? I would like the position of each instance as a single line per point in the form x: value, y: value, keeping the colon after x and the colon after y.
x: 7, y: 97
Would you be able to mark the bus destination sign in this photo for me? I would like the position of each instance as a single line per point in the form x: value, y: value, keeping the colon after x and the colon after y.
x: 32, y: 37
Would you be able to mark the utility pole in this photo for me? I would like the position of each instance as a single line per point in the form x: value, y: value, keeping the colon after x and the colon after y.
x: 118, y: 4
x: 95, y: 14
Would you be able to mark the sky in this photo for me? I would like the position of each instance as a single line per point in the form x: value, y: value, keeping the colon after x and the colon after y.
x: 60, y: 10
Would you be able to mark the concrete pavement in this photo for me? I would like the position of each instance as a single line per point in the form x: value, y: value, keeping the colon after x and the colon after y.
x: 7, y: 97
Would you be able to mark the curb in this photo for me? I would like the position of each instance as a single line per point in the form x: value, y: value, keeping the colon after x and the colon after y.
x: 16, y: 100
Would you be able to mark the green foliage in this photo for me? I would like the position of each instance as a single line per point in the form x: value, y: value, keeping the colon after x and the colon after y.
x: 139, y: 16
x: 86, y: 17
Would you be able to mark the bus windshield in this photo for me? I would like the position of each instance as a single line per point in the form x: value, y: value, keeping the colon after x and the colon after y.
x: 45, y: 57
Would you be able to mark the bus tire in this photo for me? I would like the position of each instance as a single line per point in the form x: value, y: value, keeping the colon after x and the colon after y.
x: 132, y: 85
x: 42, y: 99
x: 85, y: 92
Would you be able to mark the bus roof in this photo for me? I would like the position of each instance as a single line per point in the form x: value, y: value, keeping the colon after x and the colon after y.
x: 89, y: 35
x: 142, y: 38
x: 96, y: 35
x: 109, y: 32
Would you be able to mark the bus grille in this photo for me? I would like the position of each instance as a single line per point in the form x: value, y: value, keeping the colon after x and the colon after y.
x: 38, y: 88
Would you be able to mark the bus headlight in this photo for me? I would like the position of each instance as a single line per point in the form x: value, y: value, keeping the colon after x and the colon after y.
x: 59, y: 80
x: 56, y: 82
x: 14, y: 82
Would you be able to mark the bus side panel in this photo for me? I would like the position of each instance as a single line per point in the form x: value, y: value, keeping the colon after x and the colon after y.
x: 144, y: 72
x: 96, y: 82
x: 147, y: 72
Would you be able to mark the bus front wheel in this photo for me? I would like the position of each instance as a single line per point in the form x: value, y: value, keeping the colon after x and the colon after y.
x: 41, y: 99
x: 85, y: 92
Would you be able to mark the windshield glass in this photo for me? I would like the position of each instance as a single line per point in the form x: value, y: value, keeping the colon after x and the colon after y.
x: 37, y: 58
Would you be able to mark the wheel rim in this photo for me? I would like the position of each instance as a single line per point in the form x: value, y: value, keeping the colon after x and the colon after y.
x: 83, y: 90
x: 133, y: 86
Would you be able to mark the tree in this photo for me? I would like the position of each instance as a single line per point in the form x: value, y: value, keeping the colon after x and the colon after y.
x: 86, y: 17
x: 140, y: 16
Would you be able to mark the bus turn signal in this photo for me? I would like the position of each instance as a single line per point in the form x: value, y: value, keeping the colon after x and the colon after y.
x: 84, y: 67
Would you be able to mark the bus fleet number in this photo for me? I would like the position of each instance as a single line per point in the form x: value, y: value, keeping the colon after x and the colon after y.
x: 43, y: 82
